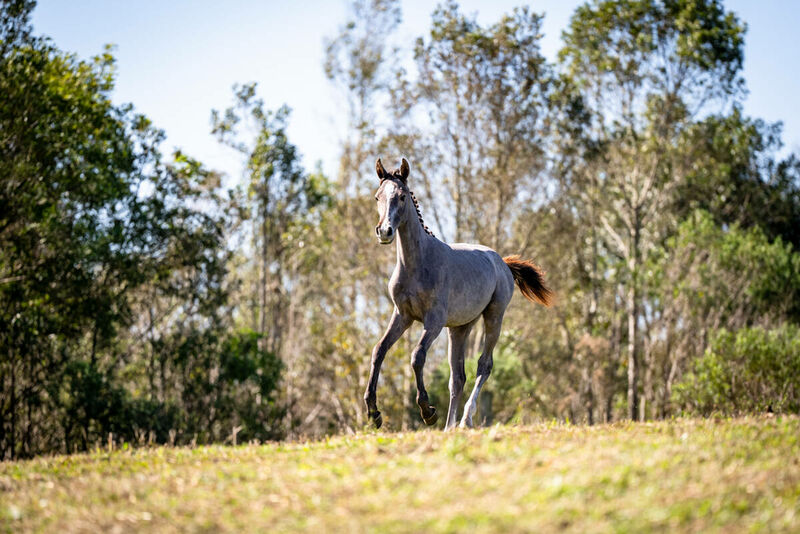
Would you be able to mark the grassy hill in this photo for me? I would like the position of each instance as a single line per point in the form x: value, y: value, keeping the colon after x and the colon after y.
x: 684, y: 475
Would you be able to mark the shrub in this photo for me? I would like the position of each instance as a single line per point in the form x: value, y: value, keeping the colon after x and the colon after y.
x: 750, y: 370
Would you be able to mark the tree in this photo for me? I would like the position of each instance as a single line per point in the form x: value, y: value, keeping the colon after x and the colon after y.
x: 278, y: 206
x: 646, y: 70
x: 736, y: 176
x: 70, y: 164
x: 113, y: 272
x: 284, y: 197
x: 483, y: 92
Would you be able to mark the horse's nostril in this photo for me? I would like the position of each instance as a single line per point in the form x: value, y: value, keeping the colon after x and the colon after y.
x: 389, y: 231
x: 378, y: 230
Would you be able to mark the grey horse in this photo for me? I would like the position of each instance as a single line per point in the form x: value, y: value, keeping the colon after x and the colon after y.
x: 442, y: 285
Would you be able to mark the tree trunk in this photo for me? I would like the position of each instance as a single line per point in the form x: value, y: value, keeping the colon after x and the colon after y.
x: 262, y: 319
x: 633, y: 319
x: 647, y: 397
x: 13, y: 430
x: 587, y: 391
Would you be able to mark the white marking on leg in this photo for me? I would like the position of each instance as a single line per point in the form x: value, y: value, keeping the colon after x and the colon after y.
x: 471, y: 405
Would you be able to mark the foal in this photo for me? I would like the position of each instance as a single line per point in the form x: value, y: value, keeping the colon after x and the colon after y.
x: 442, y: 285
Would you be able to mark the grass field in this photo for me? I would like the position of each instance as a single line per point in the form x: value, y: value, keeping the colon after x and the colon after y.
x: 736, y: 475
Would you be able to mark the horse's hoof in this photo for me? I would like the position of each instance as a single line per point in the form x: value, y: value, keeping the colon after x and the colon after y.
x: 377, y: 420
x: 432, y: 418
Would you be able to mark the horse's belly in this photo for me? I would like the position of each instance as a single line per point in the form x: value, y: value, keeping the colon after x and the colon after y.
x: 470, y: 292
x: 466, y: 307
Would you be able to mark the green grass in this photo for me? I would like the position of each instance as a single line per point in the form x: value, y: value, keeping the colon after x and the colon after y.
x: 686, y: 475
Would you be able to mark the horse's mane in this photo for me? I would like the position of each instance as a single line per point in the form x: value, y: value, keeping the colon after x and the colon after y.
x: 419, y: 213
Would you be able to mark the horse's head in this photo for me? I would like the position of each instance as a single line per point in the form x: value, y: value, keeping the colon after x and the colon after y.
x: 393, y: 198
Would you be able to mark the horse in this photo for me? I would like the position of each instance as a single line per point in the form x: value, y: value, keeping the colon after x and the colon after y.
x: 442, y: 286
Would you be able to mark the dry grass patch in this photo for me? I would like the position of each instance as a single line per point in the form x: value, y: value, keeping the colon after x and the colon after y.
x: 685, y: 475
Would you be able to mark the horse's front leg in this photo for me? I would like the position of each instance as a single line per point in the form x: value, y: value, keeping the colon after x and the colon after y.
x: 398, y: 324
x: 433, y: 325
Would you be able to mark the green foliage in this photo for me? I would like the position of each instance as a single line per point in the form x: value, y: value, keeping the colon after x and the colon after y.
x: 733, y: 273
x: 113, y: 268
x: 736, y: 177
x: 251, y: 376
x: 751, y: 370
x: 686, y: 49
x: 706, y: 278
x: 68, y: 168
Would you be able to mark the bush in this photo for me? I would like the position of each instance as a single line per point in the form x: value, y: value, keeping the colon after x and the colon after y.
x: 750, y: 370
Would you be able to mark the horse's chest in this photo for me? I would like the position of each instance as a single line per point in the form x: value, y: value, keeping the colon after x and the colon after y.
x: 412, y: 299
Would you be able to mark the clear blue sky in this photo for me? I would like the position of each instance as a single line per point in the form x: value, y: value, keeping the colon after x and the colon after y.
x: 177, y: 60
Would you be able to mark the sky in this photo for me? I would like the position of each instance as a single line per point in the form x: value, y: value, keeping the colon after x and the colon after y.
x: 178, y: 60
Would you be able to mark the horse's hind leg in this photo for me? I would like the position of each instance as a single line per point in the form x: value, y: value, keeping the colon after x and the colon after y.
x: 456, y: 349
x: 492, y: 321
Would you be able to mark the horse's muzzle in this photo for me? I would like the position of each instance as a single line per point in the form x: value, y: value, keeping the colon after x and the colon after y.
x: 385, y: 236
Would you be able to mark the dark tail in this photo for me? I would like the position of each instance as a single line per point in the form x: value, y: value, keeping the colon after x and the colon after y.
x: 530, y: 279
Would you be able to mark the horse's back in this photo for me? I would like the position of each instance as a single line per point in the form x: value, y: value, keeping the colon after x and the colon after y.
x: 471, y: 255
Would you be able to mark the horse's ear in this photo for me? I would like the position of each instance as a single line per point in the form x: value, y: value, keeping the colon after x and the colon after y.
x: 379, y: 169
x: 404, y: 170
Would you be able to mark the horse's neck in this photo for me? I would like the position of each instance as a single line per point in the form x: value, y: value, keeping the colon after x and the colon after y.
x: 412, y: 241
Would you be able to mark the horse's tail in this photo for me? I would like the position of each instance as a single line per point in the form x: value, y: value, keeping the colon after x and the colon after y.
x: 530, y: 279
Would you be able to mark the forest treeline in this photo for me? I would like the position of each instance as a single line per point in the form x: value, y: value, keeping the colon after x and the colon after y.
x: 143, y: 298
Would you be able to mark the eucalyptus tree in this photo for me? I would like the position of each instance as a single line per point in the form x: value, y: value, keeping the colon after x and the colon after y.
x: 737, y: 179
x: 278, y: 206
x: 360, y: 62
x: 647, y: 69
x: 283, y: 196
x: 482, y: 94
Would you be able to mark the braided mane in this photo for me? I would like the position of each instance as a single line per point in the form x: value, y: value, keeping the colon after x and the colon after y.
x: 419, y: 214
